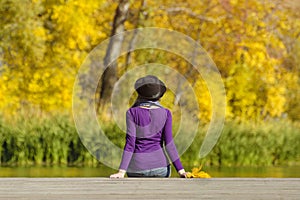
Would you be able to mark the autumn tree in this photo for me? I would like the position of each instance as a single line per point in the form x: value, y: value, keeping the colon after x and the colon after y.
x: 254, y: 44
x: 113, y: 50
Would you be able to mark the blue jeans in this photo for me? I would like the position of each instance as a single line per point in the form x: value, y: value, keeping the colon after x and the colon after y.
x: 162, y: 172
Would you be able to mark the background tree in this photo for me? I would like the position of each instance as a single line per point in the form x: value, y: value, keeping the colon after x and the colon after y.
x: 113, y: 50
x: 254, y: 43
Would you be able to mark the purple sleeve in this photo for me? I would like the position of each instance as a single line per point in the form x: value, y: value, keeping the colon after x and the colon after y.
x: 130, y: 141
x: 169, y: 143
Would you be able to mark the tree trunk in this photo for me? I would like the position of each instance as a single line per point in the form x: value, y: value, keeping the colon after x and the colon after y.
x: 134, y: 37
x: 179, y: 89
x: 109, y: 77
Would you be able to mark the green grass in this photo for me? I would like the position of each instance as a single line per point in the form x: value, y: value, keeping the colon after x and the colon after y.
x: 54, y: 141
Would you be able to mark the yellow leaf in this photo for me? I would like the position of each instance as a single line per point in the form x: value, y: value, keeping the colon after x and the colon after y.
x: 197, y: 173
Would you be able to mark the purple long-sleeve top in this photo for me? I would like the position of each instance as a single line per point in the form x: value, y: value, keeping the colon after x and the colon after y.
x: 148, y: 130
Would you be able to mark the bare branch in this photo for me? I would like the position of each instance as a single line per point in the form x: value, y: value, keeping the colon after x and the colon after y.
x: 191, y: 13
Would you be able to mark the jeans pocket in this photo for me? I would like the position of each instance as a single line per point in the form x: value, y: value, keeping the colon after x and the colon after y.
x: 159, y: 172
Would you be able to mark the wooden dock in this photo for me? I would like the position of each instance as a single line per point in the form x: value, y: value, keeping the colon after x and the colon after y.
x: 141, y: 188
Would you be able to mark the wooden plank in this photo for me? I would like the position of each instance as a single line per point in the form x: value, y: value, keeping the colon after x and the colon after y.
x: 148, y: 188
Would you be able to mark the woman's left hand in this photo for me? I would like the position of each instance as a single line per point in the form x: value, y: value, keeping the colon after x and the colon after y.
x: 120, y: 174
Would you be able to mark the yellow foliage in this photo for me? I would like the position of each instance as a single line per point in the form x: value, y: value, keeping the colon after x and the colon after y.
x: 43, y: 44
x: 204, y: 100
x: 197, y: 173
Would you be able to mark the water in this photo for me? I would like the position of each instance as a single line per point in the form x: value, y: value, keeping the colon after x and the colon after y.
x: 102, y: 171
x: 262, y: 172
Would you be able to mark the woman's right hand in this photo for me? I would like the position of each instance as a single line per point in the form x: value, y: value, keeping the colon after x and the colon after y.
x: 183, y: 174
x: 120, y: 174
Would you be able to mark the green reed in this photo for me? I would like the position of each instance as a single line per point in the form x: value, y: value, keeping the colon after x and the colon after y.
x: 261, y: 144
x: 54, y: 141
x: 50, y: 141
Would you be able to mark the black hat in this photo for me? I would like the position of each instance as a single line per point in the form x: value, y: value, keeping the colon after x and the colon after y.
x: 150, y: 88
